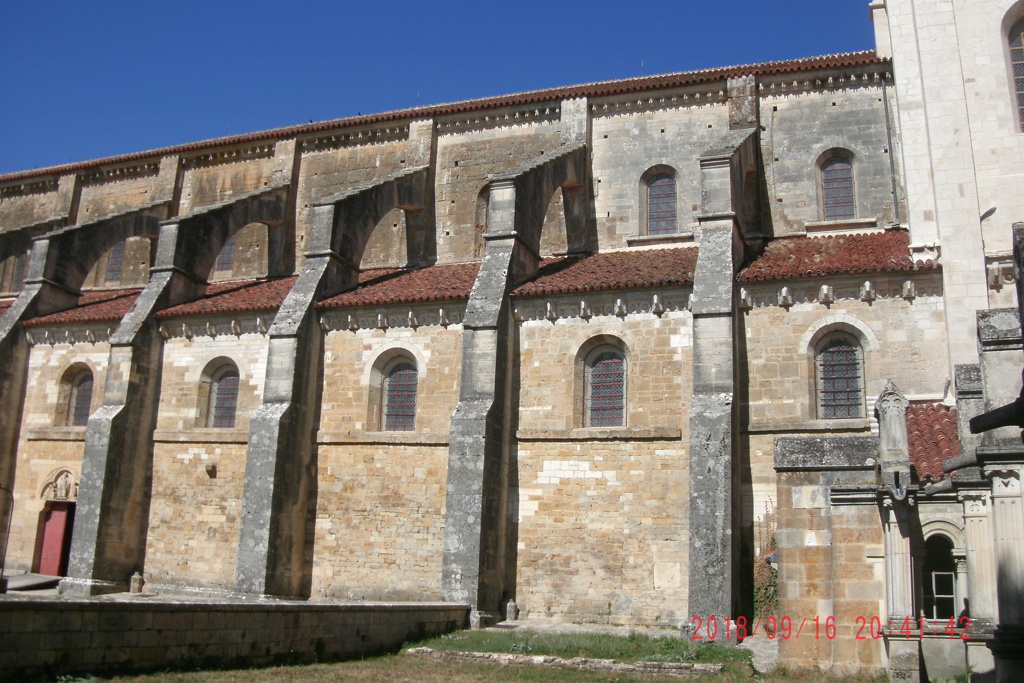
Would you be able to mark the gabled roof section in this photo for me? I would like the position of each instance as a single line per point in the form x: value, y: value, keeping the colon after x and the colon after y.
x: 613, y: 270
x: 791, y: 258
x: 932, y: 437
x: 105, y: 305
x: 383, y: 286
x: 241, y: 296
x: 598, y: 89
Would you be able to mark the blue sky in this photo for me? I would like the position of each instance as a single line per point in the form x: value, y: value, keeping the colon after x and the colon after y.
x: 86, y: 80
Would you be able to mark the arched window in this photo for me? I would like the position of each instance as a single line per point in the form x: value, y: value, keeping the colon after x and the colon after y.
x: 837, y: 198
x: 939, y: 579
x: 80, y: 404
x: 604, y: 399
x: 75, y: 398
x: 839, y: 363
x: 218, y: 395
x: 224, y: 398
x: 1016, y: 44
x: 661, y: 205
x: 115, y: 264
x: 399, y: 382
x: 226, y: 257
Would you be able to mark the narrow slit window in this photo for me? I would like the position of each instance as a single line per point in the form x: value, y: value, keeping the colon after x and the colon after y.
x: 20, y: 272
x: 840, y: 379
x: 661, y: 205
x: 226, y: 257
x: 80, y: 402
x: 398, y: 409
x: 1016, y: 40
x: 837, y: 190
x: 605, y: 399
x: 224, y: 399
x: 115, y: 264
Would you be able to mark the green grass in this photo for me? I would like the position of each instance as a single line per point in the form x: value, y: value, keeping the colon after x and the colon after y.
x: 635, y: 647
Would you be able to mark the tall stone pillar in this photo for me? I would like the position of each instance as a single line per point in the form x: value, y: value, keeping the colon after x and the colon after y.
x: 904, y: 658
x: 1008, y: 522
x: 712, y: 407
x: 981, y: 563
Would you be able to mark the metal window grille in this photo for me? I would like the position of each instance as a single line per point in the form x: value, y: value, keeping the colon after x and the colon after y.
x: 661, y: 205
x: 837, y: 190
x: 399, y: 404
x: 606, y: 391
x: 115, y: 263
x: 226, y: 257
x: 81, y: 399
x: 1017, y: 62
x: 839, y: 377
x: 20, y: 271
x: 224, y: 399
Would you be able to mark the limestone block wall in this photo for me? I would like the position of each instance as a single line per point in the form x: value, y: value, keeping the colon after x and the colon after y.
x: 203, y: 184
x: 380, y: 501
x: 464, y: 160
x: 198, y: 471
x: 333, y: 170
x: 39, y: 202
x: 184, y: 362
x: 626, y: 145
x: 105, y: 197
x: 349, y: 404
x: 380, y: 520
x: 46, y: 444
x: 38, y: 638
x: 906, y: 343
x: 194, y: 512
x: 602, y: 517
x: 801, y: 127
x: 831, y: 563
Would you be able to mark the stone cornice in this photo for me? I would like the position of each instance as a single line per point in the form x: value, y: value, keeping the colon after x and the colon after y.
x: 510, y: 116
x: 29, y: 186
x: 385, y: 317
x: 123, y: 172
x: 588, y: 305
x: 371, y: 135
x: 827, y: 290
x: 226, y: 155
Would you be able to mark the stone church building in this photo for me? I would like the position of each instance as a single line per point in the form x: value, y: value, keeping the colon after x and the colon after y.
x: 562, y: 353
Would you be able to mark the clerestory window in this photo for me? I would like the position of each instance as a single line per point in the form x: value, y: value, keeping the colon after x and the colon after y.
x: 839, y: 364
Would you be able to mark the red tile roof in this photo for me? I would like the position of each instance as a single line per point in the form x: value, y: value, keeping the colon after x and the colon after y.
x: 800, y: 257
x: 599, y: 89
x: 107, y: 305
x: 379, y: 286
x: 246, y: 296
x: 612, y: 270
x: 932, y: 437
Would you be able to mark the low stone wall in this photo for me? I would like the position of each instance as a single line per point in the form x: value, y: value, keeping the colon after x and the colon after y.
x: 96, y: 636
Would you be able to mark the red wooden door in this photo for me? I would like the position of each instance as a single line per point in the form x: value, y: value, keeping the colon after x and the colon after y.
x: 56, y: 538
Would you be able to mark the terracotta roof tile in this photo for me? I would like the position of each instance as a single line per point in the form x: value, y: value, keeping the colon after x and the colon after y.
x: 602, y: 88
x: 800, y: 257
x: 932, y: 437
x: 235, y: 297
x: 106, y: 305
x: 613, y: 270
x: 380, y: 286
x: 5, y: 304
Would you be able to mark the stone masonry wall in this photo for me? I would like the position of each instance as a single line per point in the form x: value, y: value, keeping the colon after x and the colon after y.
x: 602, y: 517
x: 909, y: 348
x: 831, y: 565
x: 66, y: 637
x: 379, y: 521
x: 627, y: 145
x: 464, y: 160
x: 46, y: 445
